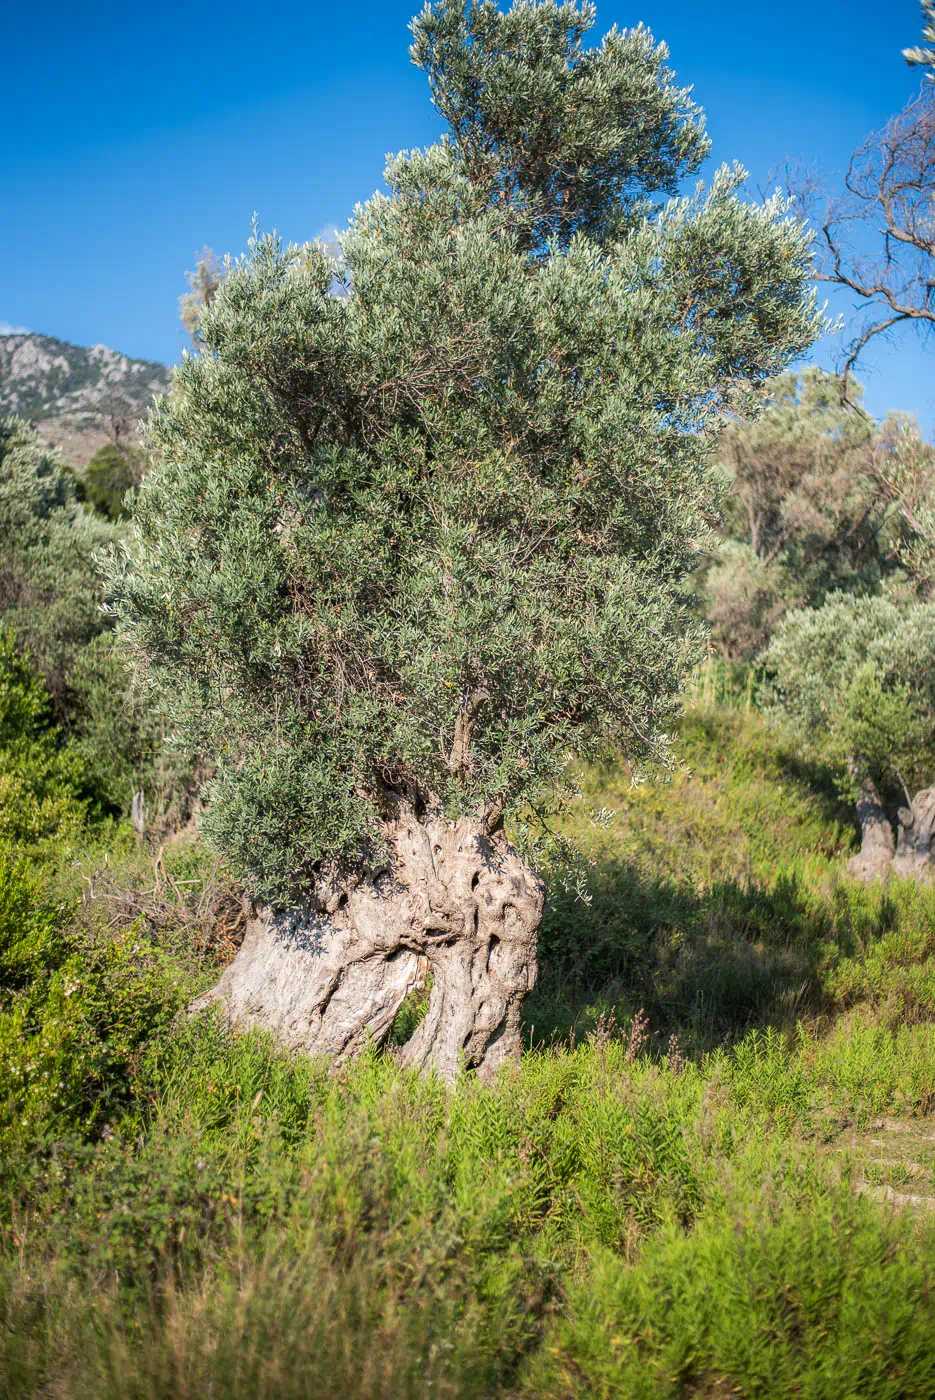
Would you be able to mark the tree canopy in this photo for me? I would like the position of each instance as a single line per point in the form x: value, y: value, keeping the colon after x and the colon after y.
x: 431, y: 536
x: 567, y: 138
x: 814, y: 504
x: 856, y: 677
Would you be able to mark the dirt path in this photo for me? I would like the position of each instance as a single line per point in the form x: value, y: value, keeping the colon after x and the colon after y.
x: 895, y: 1161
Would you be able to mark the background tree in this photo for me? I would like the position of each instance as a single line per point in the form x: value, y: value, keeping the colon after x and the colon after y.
x: 856, y: 678
x: 807, y: 511
x: 50, y: 591
x: 51, y: 601
x: 877, y: 239
x: 904, y: 471
x: 203, y: 282
x: 403, y: 552
x: 112, y: 472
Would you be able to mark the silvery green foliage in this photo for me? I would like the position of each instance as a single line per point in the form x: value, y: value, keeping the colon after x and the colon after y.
x: 856, y: 677
x: 475, y: 484
x: 924, y: 56
x: 570, y: 139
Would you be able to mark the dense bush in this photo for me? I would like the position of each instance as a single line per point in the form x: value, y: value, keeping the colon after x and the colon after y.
x: 120, y: 731
x: 74, y: 1011
x: 857, y: 680
x: 44, y: 782
x: 112, y: 472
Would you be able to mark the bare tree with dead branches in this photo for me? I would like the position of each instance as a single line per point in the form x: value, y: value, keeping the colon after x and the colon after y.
x: 877, y: 238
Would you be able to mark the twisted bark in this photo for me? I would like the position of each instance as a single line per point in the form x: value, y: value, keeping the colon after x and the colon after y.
x: 456, y: 902
x: 875, y: 858
x: 914, y: 856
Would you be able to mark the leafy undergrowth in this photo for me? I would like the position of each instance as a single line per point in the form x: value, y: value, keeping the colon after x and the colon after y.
x: 598, y: 1223
x: 709, y: 1176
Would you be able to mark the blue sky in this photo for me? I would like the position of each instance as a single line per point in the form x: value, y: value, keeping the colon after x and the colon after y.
x: 134, y: 135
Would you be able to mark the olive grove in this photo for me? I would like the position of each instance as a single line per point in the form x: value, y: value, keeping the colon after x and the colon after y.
x: 809, y: 508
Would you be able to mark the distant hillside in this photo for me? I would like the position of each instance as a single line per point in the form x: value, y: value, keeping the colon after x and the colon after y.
x: 78, y: 398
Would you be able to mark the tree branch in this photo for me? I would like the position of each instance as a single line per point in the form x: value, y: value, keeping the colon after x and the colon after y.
x: 459, y: 758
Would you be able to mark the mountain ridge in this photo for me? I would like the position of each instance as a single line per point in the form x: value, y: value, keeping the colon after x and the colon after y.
x: 78, y: 397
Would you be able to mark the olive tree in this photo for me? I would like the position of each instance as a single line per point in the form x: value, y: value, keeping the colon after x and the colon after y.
x: 811, y: 507
x: 856, y: 678
x: 406, y: 550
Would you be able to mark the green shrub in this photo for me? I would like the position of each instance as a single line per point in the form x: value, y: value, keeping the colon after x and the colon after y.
x: 112, y: 472
x: 120, y: 733
x: 43, y: 780
x: 856, y: 679
x: 830, y: 1303
x: 595, y: 1223
x: 75, y: 1013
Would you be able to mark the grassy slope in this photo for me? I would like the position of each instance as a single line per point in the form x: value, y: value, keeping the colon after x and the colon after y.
x: 624, y: 1215
x: 719, y: 902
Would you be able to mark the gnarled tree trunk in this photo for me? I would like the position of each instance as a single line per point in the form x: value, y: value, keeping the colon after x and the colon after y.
x: 455, y: 902
x: 914, y: 856
x: 875, y: 857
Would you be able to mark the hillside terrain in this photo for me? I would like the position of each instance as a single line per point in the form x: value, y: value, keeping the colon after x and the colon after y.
x: 712, y: 1174
x: 76, y: 396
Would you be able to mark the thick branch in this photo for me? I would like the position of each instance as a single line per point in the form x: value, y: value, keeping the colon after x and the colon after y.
x: 459, y: 759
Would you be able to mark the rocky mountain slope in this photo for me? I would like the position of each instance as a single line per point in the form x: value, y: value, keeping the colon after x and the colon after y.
x: 78, y: 398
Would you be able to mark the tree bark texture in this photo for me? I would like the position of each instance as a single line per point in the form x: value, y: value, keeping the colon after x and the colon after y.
x: 455, y: 903
x: 875, y: 858
x: 914, y: 855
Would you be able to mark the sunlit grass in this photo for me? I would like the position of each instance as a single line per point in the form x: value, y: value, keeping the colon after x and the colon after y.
x: 693, y: 1185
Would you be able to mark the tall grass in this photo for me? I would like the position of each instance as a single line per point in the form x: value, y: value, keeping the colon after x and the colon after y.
x: 262, y: 1227
x: 659, y: 1201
